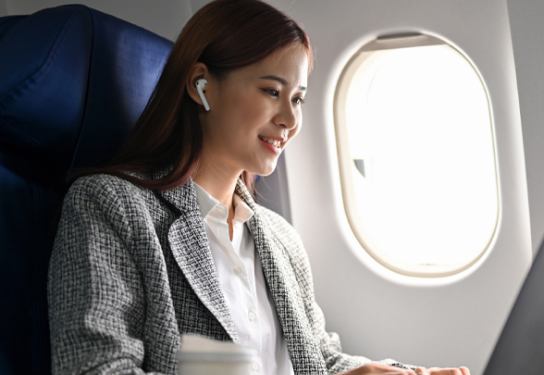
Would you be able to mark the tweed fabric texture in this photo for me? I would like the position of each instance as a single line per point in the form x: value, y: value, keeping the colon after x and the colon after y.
x: 131, y: 270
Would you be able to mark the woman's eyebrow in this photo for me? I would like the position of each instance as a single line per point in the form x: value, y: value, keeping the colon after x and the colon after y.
x: 283, y: 81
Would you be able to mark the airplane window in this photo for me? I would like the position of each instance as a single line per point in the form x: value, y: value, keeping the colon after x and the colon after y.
x: 417, y: 161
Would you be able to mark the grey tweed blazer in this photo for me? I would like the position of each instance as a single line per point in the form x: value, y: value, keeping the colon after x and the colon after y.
x: 131, y: 270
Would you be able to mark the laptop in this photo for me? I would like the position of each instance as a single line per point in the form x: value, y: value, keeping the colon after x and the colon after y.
x: 520, y: 348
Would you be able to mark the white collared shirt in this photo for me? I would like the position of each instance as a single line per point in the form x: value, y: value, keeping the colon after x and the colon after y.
x: 243, y: 284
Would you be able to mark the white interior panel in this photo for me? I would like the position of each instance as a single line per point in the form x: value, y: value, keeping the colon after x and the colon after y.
x: 527, y: 38
x: 3, y: 9
x: 447, y: 322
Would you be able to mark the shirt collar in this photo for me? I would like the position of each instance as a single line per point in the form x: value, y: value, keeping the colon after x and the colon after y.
x: 211, y: 206
x: 242, y: 212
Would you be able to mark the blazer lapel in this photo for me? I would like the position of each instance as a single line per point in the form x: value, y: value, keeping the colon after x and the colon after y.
x: 191, y: 250
x: 303, y: 347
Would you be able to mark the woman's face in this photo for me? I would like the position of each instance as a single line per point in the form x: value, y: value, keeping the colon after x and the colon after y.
x: 255, y: 112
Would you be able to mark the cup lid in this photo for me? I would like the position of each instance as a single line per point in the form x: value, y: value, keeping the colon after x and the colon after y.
x: 198, y: 348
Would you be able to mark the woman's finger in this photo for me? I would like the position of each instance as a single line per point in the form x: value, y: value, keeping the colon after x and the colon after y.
x: 449, y: 371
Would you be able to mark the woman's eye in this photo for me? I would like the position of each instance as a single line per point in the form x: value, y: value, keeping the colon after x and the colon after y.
x: 276, y: 93
x: 272, y: 92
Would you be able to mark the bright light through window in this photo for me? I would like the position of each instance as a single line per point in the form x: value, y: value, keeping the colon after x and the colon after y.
x: 417, y: 156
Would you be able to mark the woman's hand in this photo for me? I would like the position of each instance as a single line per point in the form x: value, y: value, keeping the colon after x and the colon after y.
x: 446, y: 371
x: 379, y: 369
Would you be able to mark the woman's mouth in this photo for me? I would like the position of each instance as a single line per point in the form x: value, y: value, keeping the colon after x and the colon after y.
x: 270, y: 141
x: 273, y: 145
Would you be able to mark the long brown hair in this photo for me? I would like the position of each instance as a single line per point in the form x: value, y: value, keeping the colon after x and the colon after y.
x: 224, y: 35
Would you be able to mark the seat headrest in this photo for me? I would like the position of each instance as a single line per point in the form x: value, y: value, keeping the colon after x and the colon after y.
x: 73, y: 81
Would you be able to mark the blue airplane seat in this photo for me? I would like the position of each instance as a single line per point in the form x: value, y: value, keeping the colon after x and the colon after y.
x: 73, y: 81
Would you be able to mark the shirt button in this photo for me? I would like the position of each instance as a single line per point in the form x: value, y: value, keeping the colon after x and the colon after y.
x: 237, y: 270
x: 254, y: 366
x: 252, y: 315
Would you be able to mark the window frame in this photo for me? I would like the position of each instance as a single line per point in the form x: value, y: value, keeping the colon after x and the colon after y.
x: 385, y: 42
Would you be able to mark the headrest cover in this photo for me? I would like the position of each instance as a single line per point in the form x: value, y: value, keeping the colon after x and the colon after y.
x: 73, y: 82
x: 44, y: 66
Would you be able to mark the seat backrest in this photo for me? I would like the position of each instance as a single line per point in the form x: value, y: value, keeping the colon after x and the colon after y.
x: 73, y: 82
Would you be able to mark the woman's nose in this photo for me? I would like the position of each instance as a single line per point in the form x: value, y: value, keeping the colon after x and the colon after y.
x: 287, y: 117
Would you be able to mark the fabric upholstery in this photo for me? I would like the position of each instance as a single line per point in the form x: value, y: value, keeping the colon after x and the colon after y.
x: 73, y: 81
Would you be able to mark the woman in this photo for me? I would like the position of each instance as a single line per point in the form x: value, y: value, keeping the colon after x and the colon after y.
x: 168, y: 239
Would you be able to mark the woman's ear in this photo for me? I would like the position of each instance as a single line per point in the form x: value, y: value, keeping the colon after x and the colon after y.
x: 198, y: 71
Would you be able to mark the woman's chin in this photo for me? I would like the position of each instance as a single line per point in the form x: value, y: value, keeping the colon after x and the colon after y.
x: 265, y: 170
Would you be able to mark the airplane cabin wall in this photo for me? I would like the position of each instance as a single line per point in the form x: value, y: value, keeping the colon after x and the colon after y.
x: 528, y: 38
x: 449, y: 322
x: 3, y: 9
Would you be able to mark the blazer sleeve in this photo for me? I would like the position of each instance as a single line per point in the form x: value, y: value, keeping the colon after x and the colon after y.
x: 335, y: 360
x: 329, y: 342
x: 95, y: 292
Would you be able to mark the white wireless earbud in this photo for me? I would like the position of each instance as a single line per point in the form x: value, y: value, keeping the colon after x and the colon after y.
x: 200, y: 84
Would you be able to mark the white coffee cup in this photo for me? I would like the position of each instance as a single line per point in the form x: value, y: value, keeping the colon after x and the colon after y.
x: 202, y: 356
